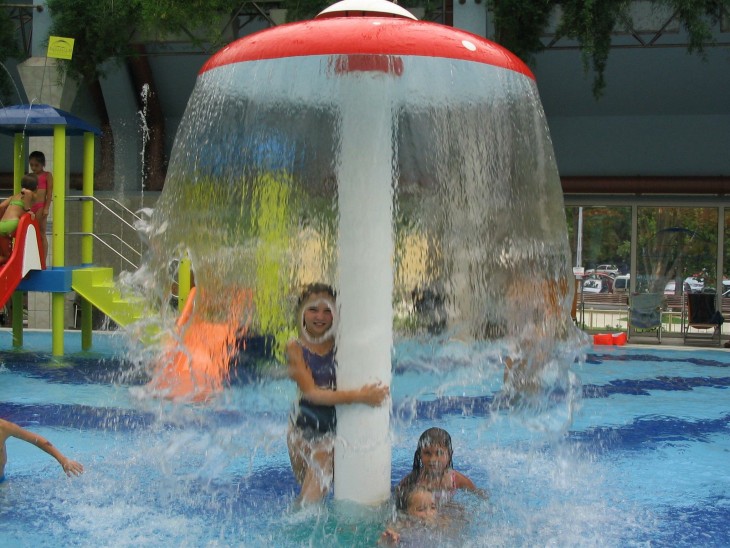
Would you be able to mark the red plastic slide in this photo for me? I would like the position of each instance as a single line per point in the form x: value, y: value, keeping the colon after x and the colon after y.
x: 26, y: 256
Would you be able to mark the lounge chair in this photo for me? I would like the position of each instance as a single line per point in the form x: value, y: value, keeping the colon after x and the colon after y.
x: 702, y: 315
x: 645, y: 314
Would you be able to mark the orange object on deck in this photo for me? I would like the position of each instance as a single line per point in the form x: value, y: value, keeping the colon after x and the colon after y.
x: 603, y: 338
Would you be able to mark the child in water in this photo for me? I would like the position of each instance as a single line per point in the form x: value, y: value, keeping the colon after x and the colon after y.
x: 312, y: 365
x: 9, y: 429
x: 12, y: 210
x: 433, y: 468
x: 419, y: 506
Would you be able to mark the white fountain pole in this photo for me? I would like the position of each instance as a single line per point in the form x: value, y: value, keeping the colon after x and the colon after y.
x: 365, y: 284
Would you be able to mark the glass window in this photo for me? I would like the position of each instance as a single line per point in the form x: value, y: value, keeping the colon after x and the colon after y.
x: 600, y: 239
x: 677, y: 250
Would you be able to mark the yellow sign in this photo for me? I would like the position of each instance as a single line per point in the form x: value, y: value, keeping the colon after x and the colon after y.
x: 60, y: 47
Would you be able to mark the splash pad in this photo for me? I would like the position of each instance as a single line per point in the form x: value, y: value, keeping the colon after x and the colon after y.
x: 406, y: 163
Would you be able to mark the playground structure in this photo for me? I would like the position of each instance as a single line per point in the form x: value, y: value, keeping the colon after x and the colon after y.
x: 27, y: 270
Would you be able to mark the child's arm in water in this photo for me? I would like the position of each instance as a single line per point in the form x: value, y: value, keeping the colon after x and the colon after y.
x: 7, y: 429
x: 463, y: 482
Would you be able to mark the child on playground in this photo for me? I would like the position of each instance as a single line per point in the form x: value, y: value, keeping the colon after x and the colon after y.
x: 312, y: 365
x: 433, y: 469
x: 12, y: 209
x: 9, y: 429
x: 42, y: 204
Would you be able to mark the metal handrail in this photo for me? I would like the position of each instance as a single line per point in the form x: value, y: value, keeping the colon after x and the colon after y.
x: 108, y: 210
x: 98, y: 238
x: 121, y: 205
x: 106, y: 207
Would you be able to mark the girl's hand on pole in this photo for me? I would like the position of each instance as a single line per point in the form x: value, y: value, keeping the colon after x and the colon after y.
x: 374, y: 394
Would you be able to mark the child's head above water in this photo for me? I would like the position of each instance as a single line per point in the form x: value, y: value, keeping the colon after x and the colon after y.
x: 434, y: 452
x: 421, y: 503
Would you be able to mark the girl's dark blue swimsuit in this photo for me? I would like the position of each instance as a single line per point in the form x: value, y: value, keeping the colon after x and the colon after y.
x: 319, y: 418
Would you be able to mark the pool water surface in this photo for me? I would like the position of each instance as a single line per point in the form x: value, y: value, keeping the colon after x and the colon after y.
x: 644, y: 461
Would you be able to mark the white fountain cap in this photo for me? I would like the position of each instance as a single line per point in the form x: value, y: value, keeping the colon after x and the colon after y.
x: 360, y: 8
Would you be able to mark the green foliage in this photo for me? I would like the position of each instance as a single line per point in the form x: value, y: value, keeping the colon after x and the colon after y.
x: 591, y: 23
x: 520, y: 24
x: 100, y: 32
x: 9, y: 49
x: 103, y: 30
x: 697, y: 17
x: 199, y: 20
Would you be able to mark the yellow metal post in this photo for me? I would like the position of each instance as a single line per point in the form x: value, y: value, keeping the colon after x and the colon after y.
x: 87, y: 226
x: 183, y: 283
x: 58, y: 301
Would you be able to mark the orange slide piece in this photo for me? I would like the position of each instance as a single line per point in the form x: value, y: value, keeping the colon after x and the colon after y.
x: 197, y: 367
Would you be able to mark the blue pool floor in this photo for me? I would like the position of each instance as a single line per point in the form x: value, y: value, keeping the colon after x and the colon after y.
x: 644, y: 462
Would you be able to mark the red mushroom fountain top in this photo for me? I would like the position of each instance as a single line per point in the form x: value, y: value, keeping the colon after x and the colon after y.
x: 366, y: 27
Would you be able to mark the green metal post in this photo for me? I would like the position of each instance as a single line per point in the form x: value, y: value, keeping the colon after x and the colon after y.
x: 87, y: 242
x: 183, y: 283
x: 58, y: 301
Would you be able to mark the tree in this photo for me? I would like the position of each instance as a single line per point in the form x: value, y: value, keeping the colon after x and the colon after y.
x: 100, y: 32
x: 9, y: 49
x: 103, y: 31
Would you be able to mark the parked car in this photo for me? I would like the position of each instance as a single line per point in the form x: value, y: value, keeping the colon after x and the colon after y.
x: 694, y: 285
x: 690, y: 285
x: 621, y: 283
x: 610, y: 269
x: 593, y: 285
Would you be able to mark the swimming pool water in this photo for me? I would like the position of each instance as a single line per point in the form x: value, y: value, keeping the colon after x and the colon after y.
x: 644, y: 463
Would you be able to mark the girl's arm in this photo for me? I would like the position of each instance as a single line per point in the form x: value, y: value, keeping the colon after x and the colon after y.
x: 370, y: 394
x: 49, y: 193
x: 69, y: 466
x: 463, y: 482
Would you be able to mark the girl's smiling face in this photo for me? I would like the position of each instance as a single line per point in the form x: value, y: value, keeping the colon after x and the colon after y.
x: 318, y: 316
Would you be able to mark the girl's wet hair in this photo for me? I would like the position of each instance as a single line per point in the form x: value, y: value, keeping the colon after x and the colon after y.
x: 432, y: 436
x: 313, y: 289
